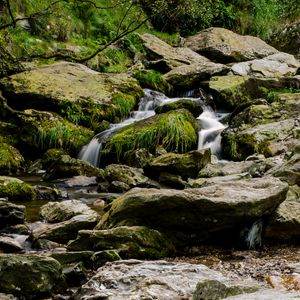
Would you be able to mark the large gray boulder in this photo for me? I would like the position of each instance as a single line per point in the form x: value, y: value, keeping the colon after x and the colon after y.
x: 223, y: 45
x: 161, y: 280
x: 200, y: 211
x: 29, y: 276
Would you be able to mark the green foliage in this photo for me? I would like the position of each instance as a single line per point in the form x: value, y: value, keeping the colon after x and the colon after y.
x: 153, y: 80
x: 272, y: 96
x: 175, y: 131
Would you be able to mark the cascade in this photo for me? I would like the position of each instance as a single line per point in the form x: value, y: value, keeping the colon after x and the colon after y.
x: 209, y: 136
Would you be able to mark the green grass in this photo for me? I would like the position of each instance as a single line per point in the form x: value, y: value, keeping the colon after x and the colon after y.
x: 125, y: 104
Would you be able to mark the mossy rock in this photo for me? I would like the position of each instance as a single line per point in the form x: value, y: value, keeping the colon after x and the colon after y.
x: 16, y: 190
x: 11, y: 160
x: 8, y: 64
x: 9, y: 133
x: 74, y: 91
x: 51, y: 156
x: 43, y: 275
x: 44, y: 130
x: 175, y: 131
x: 11, y: 214
x: 153, y: 80
x: 193, y: 107
x: 130, y: 242
x: 67, y: 166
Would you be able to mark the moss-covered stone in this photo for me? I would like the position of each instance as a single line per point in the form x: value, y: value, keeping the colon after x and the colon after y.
x: 44, y: 130
x: 74, y: 91
x: 11, y: 214
x: 43, y: 275
x: 51, y: 156
x: 11, y: 160
x: 9, y: 133
x: 8, y: 64
x: 193, y: 107
x: 175, y: 131
x: 186, y: 165
x: 65, y: 167
x: 102, y: 257
x: 16, y: 190
x: 130, y: 242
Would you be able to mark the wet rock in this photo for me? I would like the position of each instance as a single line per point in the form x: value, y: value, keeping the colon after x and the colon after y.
x: 16, y: 190
x: 43, y: 275
x: 284, y: 225
x: 200, y: 212
x: 189, y: 76
x: 72, y: 90
x: 123, y: 178
x: 71, y: 257
x: 194, y: 107
x: 54, y: 212
x: 11, y: 214
x: 129, y: 242
x: 223, y: 45
x: 186, y: 165
x: 9, y: 244
x: 66, y: 167
x: 102, y: 257
x: 11, y: 160
x: 47, y: 193
x: 64, y: 231
x: 275, y: 65
x: 134, y: 279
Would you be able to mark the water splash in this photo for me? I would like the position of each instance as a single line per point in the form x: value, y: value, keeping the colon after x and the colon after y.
x: 254, y: 236
x: 209, y: 136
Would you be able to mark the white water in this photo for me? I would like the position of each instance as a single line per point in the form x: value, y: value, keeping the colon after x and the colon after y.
x: 209, y: 136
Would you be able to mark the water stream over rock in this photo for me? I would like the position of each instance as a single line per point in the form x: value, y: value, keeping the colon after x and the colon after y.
x: 209, y: 135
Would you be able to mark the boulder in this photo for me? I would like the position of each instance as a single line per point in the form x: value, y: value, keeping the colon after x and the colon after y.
x: 43, y: 130
x: 198, y: 213
x: 168, y: 56
x: 71, y: 257
x: 160, y: 280
x: 223, y: 45
x: 232, y: 91
x: 9, y: 64
x: 101, y: 257
x: 11, y: 214
x: 74, y: 91
x: 130, y: 242
x: 284, y: 224
x: 66, y: 167
x: 267, y: 294
x: 194, y: 107
x: 186, y: 165
x: 11, y: 244
x: 16, y: 190
x: 43, y: 275
x: 275, y: 65
x: 174, y: 130
x: 64, y: 231
x: 80, y: 181
x: 189, y: 76
x: 268, y: 139
x: 132, y: 177
x: 11, y: 160
x: 55, y: 212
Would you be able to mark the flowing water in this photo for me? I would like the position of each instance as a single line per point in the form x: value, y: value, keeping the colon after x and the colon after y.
x: 209, y: 136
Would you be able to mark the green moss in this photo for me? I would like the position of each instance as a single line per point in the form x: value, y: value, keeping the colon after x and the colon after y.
x: 153, y: 80
x: 10, y: 159
x: 175, y: 131
x: 125, y: 104
x: 17, y: 191
x: 273, y: 95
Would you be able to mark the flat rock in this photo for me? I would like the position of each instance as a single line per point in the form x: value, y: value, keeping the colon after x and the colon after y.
x: 200, y: 210
x: 223, y: 45
x: 161, y: 280
x: 54, y: 212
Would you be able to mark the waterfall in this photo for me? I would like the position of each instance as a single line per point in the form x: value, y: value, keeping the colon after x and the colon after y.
x: 209, y: 136
x: 254, y: 236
